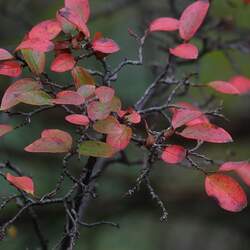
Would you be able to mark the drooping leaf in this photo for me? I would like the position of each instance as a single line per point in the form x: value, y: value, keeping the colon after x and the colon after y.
x: 68, y: 97
x: 36, y: 44
x: 46, y: 30
x: 35, y: 60
x: 187, y: 114
x: 224, y: 87
x: 35, y: 97
x: 63, y: 62
x: 186, y: 51
x: 23, y: 183
x: 120, y: 138
x: 81, y: 7
x: 98, y: 111
x: 192, y: 18
x: 226, y: 191
x: 108, y: 126
x: 206, y: 132
x: 5, y: 55
x: 10, y: 68
x: 76, y: 119
x: 105, y: 46
x: 164, y: 24
x: 96, y: 149
x: 81, y: 77
x: 75, y: 19
x: 51, y: 141
x: 105, y: 94
x: 174, y: 154
x: 87, y: 91
x: 242, y: 168
x: 5, y: 129
x: 17, y: 88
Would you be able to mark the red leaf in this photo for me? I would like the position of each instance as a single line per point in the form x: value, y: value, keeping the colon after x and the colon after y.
x: 75, y: 19
x: 10, y: 68
x: 63, y: 62
x: 69, y: 97
x: 185, y: 51
x: 81, y: 120
x: 37, y: 44
x: 192, y: 18
x: 104, y: 94
x: 174, y: 154
x: 105, y: 46
x: 242, y: 168
x: 226, y: 191
x: 5, y: 55
x: 23, y: 183
x: 224, y: 87
x: 5, y: 129
x: 120, y: 138
x: 134, y: 117
x: 17, y: 88
x: 51, y: 141
x: 164, y: 24
x: 206, y: 132
x: 46, y: 30
x: 81, y: 7
x: 241, y: 83
x: 185, y: 115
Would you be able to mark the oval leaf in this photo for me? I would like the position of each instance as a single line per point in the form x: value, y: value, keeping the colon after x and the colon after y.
x: 81, y: 120
x: 107, y: 126
x: 63, y: 62
x: 10, y: 68
x: 5, y: 129
x: 51, y: 141
x: 192, y: 18
x: 174, y: 154
x: 81, y: 7
x: 98, y: 110
x: 96, y: 149
x: 104, y: 94
x: 69, y: 97
x: 105, y: 46
x: 241, y: 83
x: 164, y: 24
x: 224, y: 87
x: 23, y: 183
x: 186, y: 51
x: 5, y: 55
x: 226, y: 191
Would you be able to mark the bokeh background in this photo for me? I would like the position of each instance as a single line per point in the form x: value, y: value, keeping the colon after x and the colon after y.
x: 195, y: 221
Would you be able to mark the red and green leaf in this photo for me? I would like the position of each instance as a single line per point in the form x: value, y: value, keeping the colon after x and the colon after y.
x: 105, y: 94
x: 81, y: 77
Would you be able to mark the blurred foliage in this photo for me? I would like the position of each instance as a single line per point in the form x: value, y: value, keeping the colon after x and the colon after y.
x: 195, y: 222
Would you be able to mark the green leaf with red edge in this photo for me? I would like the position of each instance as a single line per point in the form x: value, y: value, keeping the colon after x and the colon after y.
x: 23, y: 183
x: 35, y: 60
x: 120, y: 138
x: 242, y: 168
x: 51, y: 141
x: 5, y: 55
x: 96, y: 149
x: 75, y: 19
x: 206, y: 132
x: 82, y: 77
x: 17, y: 88
x: 87, y: 91
x: 174, y: 154
x: 192, y: 18
x: 36, y: 44
x: 10, y: 68
x: 105, y: 46
x: 76, y: 119
x: 108, y: 126
x: 69, y: 97
x: 185, y: 115
x: 226, y: 191
x: 105, y: 94
x: 46, y: 30
x: 185, y: 51
x: 5, y: 129
x: 81, y: 7
x: 36, y: 97
x: 164, y: 24
x: 63, y: 62
x: 98, y: 111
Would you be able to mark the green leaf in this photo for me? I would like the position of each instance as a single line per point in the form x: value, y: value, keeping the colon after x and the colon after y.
x: 82, y: 77
x: 96, y: 149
